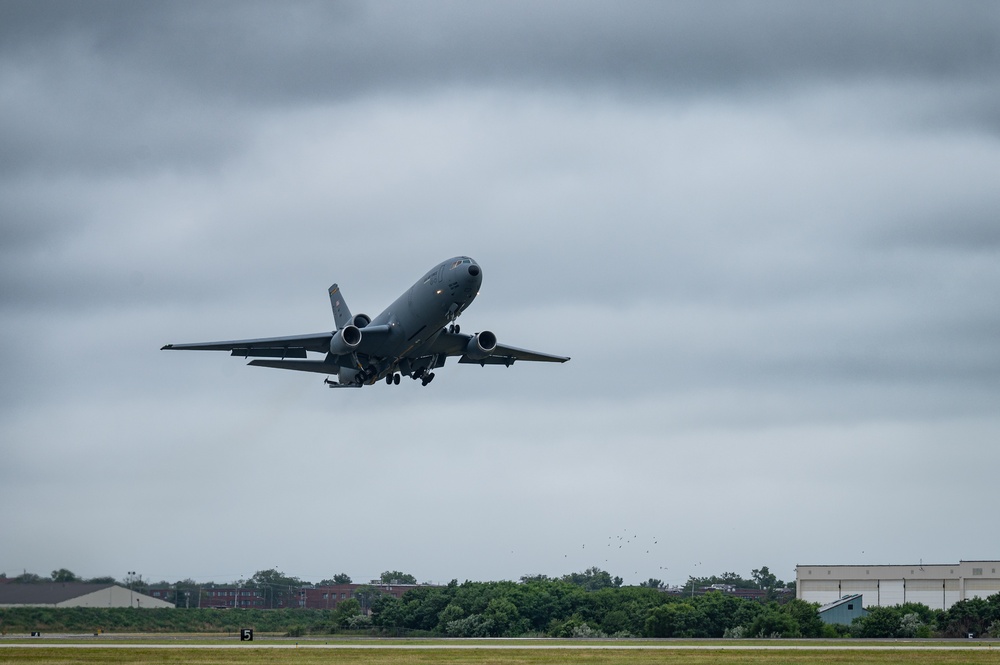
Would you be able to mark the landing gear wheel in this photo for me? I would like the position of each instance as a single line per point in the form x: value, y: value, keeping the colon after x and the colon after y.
x: 388, y: 379
x: 395, y: 379
x: 458, y: 328
x: 427, y: 379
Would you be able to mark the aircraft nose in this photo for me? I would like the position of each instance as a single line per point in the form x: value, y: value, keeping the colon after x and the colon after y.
x: 474, y: 270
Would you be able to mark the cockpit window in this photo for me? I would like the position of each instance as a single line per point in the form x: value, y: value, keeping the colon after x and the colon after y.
x: 459, y: 262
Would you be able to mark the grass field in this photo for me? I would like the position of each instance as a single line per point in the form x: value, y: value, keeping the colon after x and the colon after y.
x: 128, y: 650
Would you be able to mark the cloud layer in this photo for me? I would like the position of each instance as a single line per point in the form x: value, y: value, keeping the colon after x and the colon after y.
x: 766, y: 233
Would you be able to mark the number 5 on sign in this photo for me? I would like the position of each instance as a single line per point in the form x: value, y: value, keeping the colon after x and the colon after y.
x: 246, y: 635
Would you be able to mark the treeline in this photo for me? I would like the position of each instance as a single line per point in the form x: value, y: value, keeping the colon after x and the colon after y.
x: 587, y: 604
x: 539, y: 606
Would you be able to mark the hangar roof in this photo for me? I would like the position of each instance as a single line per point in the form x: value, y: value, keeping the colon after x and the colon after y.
x: 46, y: 593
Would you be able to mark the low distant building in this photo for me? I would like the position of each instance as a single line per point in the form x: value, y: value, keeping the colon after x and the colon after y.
x: 75, y: 594
x: 938, y: 586
x: 843, y: 611
x: 229, y: 597
x: 328, y: 597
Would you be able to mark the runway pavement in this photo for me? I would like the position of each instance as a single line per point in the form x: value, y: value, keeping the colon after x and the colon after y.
x: 101, y: 643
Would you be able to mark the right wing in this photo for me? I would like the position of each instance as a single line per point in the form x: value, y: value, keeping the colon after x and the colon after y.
x: 268, y: 347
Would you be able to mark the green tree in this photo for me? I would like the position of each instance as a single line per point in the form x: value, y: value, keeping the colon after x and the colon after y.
x: 772, y: 622
x: 339, y: 578
x: 503, y: 617
x: 806, y: 615
x: 764, y: 578
x: 449, y: 614
x: 717, y: 611
x: 593, y: 579
x: 652, y: 583
x: 107, y: 579
x: 396, y: 577
x: 879, y: 622
x: 278, y: 589
x: 388, y: 612
x: 63, y: 575
x: 345, y: 612
x: 366, y: 595
x: 677, y: 619
x: 972, y: 615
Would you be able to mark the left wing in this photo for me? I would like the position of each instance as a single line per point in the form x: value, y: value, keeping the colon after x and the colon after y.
x: 458, y: 344
x: 506, y: 355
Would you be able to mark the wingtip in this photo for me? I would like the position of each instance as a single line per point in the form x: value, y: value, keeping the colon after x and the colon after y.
x: 166, y: 346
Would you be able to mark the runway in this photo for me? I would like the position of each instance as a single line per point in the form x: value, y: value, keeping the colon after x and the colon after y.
x: 513, y: 645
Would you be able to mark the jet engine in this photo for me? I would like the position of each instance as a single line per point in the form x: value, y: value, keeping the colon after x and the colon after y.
x: 361, y: 320
x: 481, y: 345
x: 345, y: 340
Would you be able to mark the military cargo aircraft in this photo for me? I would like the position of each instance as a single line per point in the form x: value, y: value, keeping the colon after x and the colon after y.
x: 412, y: 337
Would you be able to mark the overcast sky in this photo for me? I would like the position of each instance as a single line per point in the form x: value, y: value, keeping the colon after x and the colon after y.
x: 768, y: 234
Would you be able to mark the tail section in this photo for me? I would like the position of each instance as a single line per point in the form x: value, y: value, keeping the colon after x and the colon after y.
x: 341, y: 312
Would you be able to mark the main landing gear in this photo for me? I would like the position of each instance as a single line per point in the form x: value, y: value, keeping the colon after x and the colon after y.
x: 424, y: 377
x: 455, y: 328
x: 391, y: 379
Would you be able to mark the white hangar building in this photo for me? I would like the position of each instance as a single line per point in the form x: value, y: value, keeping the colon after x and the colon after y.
x: 938, y: 586
x: 75, y: 594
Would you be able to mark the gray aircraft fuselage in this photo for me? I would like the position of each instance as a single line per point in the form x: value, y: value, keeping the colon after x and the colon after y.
x: 417, y: 317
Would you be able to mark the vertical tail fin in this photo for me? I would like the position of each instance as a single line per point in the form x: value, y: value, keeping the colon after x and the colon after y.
x: 341, y: 312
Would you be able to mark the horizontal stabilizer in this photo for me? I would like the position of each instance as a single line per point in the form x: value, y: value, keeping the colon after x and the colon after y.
x: 278, y: 352
x: 317, y: 366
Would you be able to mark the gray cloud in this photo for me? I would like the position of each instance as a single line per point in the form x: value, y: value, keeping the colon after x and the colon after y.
x: 765, y: 233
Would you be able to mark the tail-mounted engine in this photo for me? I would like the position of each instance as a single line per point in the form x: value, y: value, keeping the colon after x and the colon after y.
x: 345, y: 340
x: 481, y: 345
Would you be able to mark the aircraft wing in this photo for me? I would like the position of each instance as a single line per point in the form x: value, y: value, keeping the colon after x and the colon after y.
x: 506, y: 355
x: 455, y: 344
x: 267, y: 347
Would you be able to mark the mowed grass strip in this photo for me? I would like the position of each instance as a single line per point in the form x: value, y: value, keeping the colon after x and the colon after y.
x: 486, y: 656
